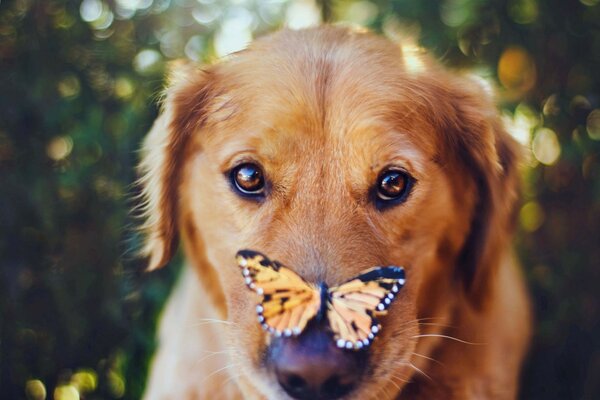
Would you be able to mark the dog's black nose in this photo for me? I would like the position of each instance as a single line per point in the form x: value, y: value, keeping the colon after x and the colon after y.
x: 312, y: 367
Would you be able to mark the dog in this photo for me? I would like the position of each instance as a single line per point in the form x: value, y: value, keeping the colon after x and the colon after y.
x: 334, y: 150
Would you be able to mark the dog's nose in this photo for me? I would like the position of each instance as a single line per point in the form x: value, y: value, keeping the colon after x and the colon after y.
x: 312, y: 367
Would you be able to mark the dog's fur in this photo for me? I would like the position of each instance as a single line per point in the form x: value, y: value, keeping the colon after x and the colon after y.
x: 324, y: 111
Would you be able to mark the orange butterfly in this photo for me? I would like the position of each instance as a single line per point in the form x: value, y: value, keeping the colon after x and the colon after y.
x: 289, y: 302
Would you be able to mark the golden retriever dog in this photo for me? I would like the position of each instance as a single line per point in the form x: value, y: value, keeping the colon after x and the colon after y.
x: 333, y: 151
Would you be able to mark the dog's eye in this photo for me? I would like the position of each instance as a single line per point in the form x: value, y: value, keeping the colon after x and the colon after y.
x: 248, y: 179
x: 393, y: 187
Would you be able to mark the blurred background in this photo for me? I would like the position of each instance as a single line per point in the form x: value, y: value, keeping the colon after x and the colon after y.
x: 79, y: 82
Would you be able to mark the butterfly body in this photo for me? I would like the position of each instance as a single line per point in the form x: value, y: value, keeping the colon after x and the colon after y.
x: 289, y: 302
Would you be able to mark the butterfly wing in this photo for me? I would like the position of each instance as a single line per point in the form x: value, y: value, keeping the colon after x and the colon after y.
x: 353, y: 306
x: 287, y: 303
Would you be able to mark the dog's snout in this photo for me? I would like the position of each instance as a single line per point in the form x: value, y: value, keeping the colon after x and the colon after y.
x: 312, y: 367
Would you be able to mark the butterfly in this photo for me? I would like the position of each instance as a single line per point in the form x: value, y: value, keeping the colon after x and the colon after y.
x: 288, y: 302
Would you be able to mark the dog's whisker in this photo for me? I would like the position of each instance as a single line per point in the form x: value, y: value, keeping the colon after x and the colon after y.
x: 377, y: 395
x: 446, y: 337
x: 413, y: 366
x: 206, y: 321
x: 400, y: 332
x: 232, y: 365
x: 213, y: 353
x: 429, y: 319
x: 395, y: 384
x: 226, y: 382
x: 209, y: 353
x: 413, y: 321
x: 428, y: 358
x: 386, y: 392
x: 411, y: 324
x: 221, y: 349
x: 397, y: 375
x: 232, y: 377
x: 400, y: 378
x: 434, y: 324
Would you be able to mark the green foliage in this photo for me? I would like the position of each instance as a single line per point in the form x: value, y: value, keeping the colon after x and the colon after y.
x: 79, y: 82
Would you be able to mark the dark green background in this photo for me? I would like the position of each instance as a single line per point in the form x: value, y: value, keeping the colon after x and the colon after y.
x: 77, y: 97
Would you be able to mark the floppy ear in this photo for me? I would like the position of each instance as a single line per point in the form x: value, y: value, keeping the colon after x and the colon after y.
x: 490, y: 157
x: 184, y: 100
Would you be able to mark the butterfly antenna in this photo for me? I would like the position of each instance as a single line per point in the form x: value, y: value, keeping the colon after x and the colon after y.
x: 324, y: 292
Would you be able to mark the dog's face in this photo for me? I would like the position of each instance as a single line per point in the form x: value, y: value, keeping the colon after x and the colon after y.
x: 323, y: 150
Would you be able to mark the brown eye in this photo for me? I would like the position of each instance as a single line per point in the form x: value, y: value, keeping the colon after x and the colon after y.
x: 393, y: 186
x: 248, y: 179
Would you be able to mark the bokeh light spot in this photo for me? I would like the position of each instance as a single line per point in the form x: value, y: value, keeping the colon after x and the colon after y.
x: 235, y: 32
x: 412, y: 57
x: 134, y: 4
x: 123, y: 88
x: 147, y: 61
x: 523, y: 11
x: 59, y: 148
x: 130, y: 4
x: 302, y: 14
x: 593, y: 124
x: 116, y: 384
x: 66, y: 392
x: 455, y: 13
x: 551, y: 106
x: 238, y: 19
x: 482, y: 79
x: 545, y: 146
x: 521, y: 124
x: 69, y: 86
x: 271, y: 12
x: 227, y: 43
x: 531, y: 216
x: 172, y: 44
x: 589, y: 3
x: 516, y: 69
x: 361, y: 12
x: 206, y: 15
x: 63, y: 20
x: 579, y: 102
x: 85, y: 380
x: 195, y: 47
x: 35, y: 390
x: 90, y: 10
x: 105, y: 20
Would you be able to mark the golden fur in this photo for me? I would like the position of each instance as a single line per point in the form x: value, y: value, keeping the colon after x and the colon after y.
x: 324, y: 111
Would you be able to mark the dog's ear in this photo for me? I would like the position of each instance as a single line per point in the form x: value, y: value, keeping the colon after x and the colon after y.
x: 490, y: 156
x: 182, y: 114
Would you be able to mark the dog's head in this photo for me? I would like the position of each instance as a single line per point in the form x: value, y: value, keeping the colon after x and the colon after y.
x: 329, y: 151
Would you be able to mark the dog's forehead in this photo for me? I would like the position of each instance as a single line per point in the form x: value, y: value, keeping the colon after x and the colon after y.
x: 283, y: 135
x: 299, y: 98
x: 333, y: 88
